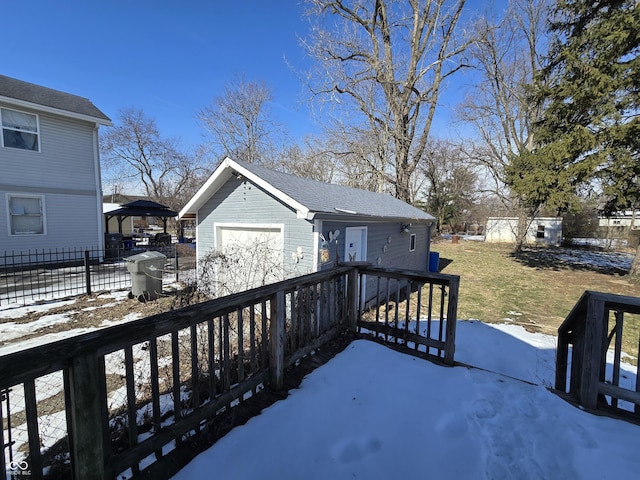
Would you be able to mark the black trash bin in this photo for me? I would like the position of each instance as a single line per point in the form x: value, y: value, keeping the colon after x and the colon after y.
x: 112, y: 244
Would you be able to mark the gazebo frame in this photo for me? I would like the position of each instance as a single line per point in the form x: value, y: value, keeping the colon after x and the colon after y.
x: 140, y: 208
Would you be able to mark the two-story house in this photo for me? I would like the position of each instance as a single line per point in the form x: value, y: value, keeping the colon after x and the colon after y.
x: 50, y: 187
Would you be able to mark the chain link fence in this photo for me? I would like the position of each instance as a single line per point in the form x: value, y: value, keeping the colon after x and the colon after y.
x: 42, y: 400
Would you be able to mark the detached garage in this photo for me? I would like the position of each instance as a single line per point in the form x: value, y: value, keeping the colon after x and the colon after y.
x: 255, y: 226
x: 254, y: 253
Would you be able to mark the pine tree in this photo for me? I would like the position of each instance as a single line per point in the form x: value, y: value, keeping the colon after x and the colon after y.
x: 589, y: 90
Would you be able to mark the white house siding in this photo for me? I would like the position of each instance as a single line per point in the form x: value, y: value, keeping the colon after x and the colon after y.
x: 239, y: 202
x: 618, y: 226
x: 613, y: 222
x: 501, y: 229
x: 64, y: 172
x: 71, y: 222
x: 66, y: 157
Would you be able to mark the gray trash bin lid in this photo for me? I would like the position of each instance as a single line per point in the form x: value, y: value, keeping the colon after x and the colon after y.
x: 151, y: 255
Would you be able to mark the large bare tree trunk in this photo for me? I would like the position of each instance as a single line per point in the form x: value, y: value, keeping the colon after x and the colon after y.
x: 383, y: 65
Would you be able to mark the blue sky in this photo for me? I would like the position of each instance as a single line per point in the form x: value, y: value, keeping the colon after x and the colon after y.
x: 168, y: 58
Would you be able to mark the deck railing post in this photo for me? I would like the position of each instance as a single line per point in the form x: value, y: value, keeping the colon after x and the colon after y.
x: 562, y: 362
x: 592, y: 353
x: 276, y: 343
x: 86, y: 419
x: 452, y: 315
x: 353, y: 299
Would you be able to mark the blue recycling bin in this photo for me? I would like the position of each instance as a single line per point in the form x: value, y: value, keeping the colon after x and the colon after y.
x: 434, y: 260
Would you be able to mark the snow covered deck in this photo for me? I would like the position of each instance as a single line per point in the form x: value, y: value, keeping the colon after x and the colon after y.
x: 126, y: 397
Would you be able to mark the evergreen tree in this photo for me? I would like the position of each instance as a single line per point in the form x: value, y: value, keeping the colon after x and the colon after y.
x: 589, y: 90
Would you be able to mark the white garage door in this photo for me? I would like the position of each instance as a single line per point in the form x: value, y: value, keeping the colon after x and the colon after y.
x: 253, y: 256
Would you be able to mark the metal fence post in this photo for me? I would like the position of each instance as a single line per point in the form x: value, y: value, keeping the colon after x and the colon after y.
x: 87, y: 272
x: 175, y: 249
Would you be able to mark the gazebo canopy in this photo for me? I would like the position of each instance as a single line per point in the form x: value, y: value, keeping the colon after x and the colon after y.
x: 140, y: 208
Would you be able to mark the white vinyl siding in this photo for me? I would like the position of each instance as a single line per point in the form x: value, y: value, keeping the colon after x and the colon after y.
x: 66, y: 145
x: 64, y: 174
x: 26, y: 214
x: 20, y: 130
x: 542, y: 230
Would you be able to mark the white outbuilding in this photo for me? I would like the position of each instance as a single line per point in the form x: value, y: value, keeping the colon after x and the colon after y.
x: 541, y: 231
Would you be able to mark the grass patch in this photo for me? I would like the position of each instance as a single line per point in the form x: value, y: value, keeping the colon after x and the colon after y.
x: 536, y: 290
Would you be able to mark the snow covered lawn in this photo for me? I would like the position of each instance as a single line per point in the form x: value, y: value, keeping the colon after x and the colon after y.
x: 373, y: 413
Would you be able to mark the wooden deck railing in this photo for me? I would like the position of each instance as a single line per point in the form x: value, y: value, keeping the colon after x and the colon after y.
x: 115, y: 403
x: 590, y: 372
x: 411, y: 309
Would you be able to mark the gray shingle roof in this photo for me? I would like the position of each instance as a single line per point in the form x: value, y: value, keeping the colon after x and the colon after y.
x: 28, y: 92
x: 329, y: 198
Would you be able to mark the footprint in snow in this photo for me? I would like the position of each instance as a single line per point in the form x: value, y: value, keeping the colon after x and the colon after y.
x: 353, y: 449
x: 452, y: 426
x: 484, y: 409
x: 526, y: 452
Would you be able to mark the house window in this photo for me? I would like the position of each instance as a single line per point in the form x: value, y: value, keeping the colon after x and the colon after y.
x: 26, y: 214
x: 540, y: 233
x: 412, y: 242
x: 19, y: 130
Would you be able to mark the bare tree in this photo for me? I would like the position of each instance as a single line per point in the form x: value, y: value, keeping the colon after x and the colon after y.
x: 507, y: 55
x: 389, y: 60
x: 135, y: 153
x: 240, y: 123
x: 337, y: 156
x: 451, y: 184
x: 311, y: 160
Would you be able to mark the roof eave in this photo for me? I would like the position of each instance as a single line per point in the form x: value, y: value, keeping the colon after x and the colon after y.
x: 222, y: 174
x: 346, y: 216
x: 198, y: 199
x: 56, y: 111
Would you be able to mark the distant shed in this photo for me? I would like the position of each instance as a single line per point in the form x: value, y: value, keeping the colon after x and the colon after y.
x: 541, y: 231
